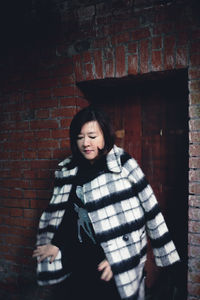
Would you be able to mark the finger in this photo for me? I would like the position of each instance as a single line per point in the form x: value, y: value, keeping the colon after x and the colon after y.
x: 52, y: 258
x: 103, y: 265
x: 107, y: 275
x: 42, y: 257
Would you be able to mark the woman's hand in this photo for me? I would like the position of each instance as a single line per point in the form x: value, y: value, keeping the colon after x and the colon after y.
x: 107, y: 273
x: 46, y: 251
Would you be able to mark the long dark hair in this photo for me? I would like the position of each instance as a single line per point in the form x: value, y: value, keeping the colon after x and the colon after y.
x: 88, y: 114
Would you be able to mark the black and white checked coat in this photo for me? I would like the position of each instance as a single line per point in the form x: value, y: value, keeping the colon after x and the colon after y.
x: 122, y: 208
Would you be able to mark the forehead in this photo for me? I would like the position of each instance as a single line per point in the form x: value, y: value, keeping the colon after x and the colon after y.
x: 92, y: 126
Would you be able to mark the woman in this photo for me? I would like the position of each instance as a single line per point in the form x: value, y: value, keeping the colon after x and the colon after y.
x: 93, y: 233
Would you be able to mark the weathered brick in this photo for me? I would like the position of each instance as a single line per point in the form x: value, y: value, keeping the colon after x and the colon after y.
x: 109, y: 68
x: 195, y: 60
x: 144, y: 56
x: 169, y: 52
x: 194, y: 226
x: 64, y: 91
x: 98, y: 64
x: 133, y: 64
x: 156, y: 61
x: 181, y: 57
x: 120, y: 61
x: 156, y: 43
x: 140, y: 34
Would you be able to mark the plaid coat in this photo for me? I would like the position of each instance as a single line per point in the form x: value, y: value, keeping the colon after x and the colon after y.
x: 122, y: 208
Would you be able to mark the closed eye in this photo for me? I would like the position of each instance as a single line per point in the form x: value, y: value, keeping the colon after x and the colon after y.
x: 79, y: 137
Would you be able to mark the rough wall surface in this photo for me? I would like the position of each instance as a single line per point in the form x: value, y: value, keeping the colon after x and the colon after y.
x: 49, y: 47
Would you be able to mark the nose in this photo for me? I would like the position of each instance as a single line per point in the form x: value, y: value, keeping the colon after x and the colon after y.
x: 85, y: 142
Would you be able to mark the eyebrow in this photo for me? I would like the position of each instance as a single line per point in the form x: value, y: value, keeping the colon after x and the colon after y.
x: 90, y: 132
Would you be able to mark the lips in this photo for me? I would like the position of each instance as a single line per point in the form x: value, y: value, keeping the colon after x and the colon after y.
x: 87, y: 151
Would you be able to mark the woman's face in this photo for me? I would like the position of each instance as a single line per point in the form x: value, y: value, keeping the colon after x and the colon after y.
x: 90, y: 140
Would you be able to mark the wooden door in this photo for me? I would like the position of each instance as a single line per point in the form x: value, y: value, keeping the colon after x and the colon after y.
x: 151, y: 124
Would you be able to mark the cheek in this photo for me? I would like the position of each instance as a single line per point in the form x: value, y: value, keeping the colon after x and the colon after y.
x: 102, y: 143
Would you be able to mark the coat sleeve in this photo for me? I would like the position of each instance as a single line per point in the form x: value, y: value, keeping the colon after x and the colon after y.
x: 50, y: 220
x: 164, y: 249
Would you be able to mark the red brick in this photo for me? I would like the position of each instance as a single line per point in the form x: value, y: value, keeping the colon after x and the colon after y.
x: 16, y: 212
x: 109, y: 68
x: 68, y: 101
x: 31, y: 213
x: 30, y: 194
x: 194, y: 86
x: 65, y: 123
x: 120, y: 38
x: 194, y: 213
x: 194, y: 150
x: 98, y: 63
x: 195, y: 60
x: 43, y: 124
x: 60, y: 133
x: 65, y: 143
x: 78, y: 68
x: 39, y: 204
x: 182, y: 38
x: 5, y: 211
x: 194, y: 137
x: 133, y: 47
x: 194, y: 200
x: 67, y: 80
x: 87, y: 57
x: 140, y: 34
x: 194, y: 289
x: 42, y: 154
x: 169, y: 48
x: 64, y: 91
x: 194, y: 73
x: 194, y: 188
x: 156, y: 61
x: 194, y: 124
x: 157, y: 43
x: 16, y: 193
x: 30, y: 154
x: 43, y: 134
x: 63, y: 112
x: 132, y: 64
x: 120, y: 61
x: 194, y: 239
x: 101, y: 43
x: 194, y: 226
x: 144, y: 56
x: 42, y: 114
x: 194, y: 111
x: 89, y: 72
x: 194, y: 162
x: 61, y: 153
x: 194, y: 175
x: 44, y: 194
x: 45, y: 103
x: 163, y: 28
x: 194, y: 265
x: 181, y: 58
x: 44, y: 93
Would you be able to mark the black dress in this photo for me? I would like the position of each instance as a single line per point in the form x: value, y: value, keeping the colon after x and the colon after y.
x: 81, y: 252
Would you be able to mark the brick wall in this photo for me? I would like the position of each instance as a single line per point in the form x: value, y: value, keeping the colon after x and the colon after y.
x: 39, y: 97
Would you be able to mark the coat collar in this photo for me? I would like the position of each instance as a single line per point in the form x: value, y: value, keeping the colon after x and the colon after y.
x: 113, y: 162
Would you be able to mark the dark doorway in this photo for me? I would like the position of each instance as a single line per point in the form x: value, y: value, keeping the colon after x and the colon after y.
x: 150, y: 117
